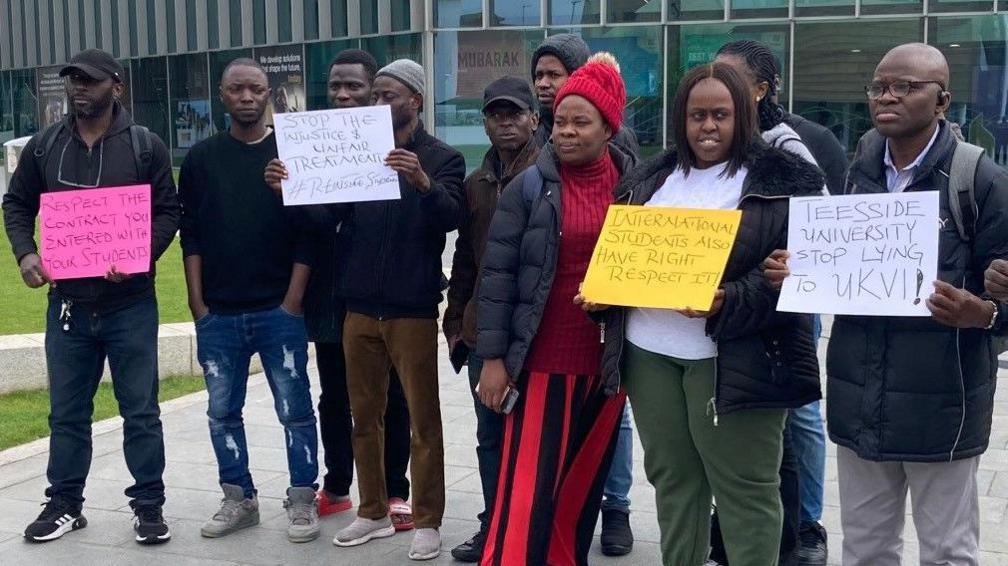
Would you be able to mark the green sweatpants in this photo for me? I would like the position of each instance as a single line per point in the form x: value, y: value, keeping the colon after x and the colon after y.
x: 688, y: 459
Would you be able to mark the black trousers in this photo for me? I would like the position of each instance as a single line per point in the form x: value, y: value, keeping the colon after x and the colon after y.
x: 791, y: 500
x: 336, y: 425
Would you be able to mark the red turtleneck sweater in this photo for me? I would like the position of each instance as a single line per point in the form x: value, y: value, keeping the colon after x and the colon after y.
x: 568, y: 342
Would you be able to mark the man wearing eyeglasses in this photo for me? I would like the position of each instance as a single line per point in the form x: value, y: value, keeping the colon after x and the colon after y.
x: 93, y: 319
x: 910, y: 399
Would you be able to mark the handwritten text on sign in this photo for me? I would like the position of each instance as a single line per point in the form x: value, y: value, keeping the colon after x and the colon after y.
x: 862, y: 254
x: 337, y: 155
x: 660, y: 257
x: 86, y: 232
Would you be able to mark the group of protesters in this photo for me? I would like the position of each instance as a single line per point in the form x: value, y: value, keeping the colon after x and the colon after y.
x: 726, y: 401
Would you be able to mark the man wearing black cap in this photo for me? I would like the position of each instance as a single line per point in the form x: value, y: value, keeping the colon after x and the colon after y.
x: 510, y: 123
x: 97, y: 145
x: 552, y: 64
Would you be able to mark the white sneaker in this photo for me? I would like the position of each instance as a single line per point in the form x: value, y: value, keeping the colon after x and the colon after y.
x: 363, y: 530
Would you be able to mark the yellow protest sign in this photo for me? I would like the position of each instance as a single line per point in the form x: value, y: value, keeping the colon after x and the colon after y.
x: 660, y: 257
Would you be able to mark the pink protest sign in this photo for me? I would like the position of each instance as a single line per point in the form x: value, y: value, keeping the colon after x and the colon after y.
x: 86, y: 232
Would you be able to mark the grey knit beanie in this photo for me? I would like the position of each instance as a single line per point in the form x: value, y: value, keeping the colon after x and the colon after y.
x: 570, y: 49
x: 406, y: 71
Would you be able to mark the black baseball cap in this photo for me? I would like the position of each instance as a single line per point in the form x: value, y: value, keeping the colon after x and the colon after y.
x: 512, y: 89
x: 95, y: 63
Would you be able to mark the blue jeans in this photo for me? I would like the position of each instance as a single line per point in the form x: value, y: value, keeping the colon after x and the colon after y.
x: 128, y: 337
x: 489, y: 436
x: 809, y: 441
x: 225, y: 344
x: 617, y: 486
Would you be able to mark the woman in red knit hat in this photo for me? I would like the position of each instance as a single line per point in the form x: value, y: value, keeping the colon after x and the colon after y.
x: 560, y: 433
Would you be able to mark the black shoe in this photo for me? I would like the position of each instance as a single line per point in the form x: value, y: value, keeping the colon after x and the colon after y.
x: 149, y: 525
x: 813, y: 551
x: 472, y: 549
x: 57, y: 519
x: 617, y: 538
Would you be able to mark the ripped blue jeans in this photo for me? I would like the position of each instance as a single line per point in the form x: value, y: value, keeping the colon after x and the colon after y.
x: 225, y: 344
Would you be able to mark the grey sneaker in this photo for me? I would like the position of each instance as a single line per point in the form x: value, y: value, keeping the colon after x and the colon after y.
x: 426, y: 544
x: 236, y: 513
x: 363, y: 530
x: 302, y: 514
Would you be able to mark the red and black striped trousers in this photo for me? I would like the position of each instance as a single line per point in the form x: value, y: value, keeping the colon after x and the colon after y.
x: 558, y: 444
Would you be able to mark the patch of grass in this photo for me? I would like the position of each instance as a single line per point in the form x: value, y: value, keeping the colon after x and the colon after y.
x: 25, y: 414
x: 22, y: 310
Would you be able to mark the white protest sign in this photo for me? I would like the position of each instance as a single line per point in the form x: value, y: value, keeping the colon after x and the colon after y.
x: 336, y: 155
x: 871, y: 254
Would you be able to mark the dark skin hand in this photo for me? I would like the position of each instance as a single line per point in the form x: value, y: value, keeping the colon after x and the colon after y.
x: 275, y: 173
x: 116, y: 276
x: 32, y: 271
x: 493, y: 384
x: 775, y: 268
x: 996, y: 279
x: 715, y: 307
x: 407, y: 164
x: 958, y: 308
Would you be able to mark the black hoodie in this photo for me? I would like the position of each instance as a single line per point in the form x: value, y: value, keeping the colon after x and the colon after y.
x: 114, y: 156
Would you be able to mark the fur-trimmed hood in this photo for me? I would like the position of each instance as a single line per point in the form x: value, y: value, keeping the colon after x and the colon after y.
x: 772, y: 173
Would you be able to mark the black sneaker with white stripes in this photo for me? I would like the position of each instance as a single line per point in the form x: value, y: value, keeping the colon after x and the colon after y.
x: 56, y: 519
x: 149, y: 525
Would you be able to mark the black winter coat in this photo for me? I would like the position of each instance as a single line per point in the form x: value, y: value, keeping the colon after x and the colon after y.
x: 909, y: 388
x: 392, y: 266
x: 520, y: 262
x: 765, y: 359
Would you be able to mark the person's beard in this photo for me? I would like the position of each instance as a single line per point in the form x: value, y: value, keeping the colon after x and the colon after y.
x: 96, y: 108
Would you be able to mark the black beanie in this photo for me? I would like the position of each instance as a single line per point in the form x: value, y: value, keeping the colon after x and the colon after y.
x: 570, y: 49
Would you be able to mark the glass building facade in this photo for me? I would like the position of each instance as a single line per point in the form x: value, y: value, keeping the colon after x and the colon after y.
x: 175, y: 50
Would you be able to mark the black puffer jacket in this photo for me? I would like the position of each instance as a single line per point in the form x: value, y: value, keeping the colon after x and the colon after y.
x: 520, y: 262
x: 765, y: 359
x: 909, y: 388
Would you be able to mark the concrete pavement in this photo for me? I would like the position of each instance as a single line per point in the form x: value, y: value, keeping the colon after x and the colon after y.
x: 193, y: 495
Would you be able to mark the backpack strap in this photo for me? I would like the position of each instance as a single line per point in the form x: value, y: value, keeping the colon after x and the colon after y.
x: 961, y: 195
x: 140, y: 138
x: 532, y: 184
x: 45, y: 140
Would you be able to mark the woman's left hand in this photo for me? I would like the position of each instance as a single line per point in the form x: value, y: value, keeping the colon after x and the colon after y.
x: 714, y: 308
x: 585, y: 304
x: 588, y: 306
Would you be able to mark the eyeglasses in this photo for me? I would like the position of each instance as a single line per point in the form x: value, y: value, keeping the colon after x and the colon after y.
x: 101, y: 163
x: 898, y: 89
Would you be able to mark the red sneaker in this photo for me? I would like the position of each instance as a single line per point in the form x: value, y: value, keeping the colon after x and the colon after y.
x: 401, y: 514
x: 328, y: 505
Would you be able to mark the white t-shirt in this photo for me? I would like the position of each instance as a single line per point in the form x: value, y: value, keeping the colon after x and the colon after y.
x: 665, y: 331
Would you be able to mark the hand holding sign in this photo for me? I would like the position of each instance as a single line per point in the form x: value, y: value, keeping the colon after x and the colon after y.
x: 33, y: 272
x: 868, y: 255
x: 958, y: 308
x: 408, y: 164
x: 775, y: 268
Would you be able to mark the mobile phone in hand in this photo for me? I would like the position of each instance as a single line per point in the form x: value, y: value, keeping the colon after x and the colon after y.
x: 510, y: 400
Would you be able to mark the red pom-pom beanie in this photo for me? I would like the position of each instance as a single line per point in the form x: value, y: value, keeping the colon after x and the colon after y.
x: 599, y: 81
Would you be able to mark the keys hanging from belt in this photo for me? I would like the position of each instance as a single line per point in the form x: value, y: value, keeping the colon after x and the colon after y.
x: 65, y: 318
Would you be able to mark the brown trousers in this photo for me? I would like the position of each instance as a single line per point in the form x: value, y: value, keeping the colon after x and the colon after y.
x: 409, y: 345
